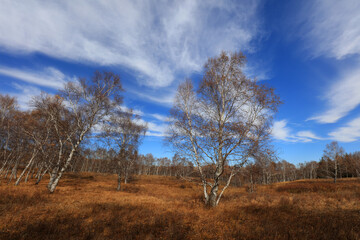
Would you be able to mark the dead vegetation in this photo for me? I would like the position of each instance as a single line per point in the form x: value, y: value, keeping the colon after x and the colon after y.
x: 87, y: 206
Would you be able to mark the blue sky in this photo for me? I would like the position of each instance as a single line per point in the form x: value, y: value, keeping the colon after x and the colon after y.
x: 309, y: 51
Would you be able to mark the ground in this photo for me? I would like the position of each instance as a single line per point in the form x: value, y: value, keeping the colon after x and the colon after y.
x: 87, y: 206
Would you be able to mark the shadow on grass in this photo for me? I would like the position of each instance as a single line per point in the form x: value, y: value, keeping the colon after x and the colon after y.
x: 286, y: 221
x: 106, y: 221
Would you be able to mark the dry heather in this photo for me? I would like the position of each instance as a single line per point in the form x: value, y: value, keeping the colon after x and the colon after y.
x: 86, y: 206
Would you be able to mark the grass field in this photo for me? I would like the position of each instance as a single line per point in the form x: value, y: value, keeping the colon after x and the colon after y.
x: 86, y: 206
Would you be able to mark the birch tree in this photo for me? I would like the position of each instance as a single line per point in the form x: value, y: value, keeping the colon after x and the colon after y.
x: 75, y: 111
x: 34, y: 129
x: 124, y: 131
x: 224, y: 123
x: 7, y: 143
x: 333, y: 152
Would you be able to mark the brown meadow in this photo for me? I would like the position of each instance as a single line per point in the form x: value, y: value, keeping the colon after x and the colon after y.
x: 87, y: 206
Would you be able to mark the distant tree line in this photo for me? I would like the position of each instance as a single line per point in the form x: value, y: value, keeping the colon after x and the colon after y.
x: 263, y: 170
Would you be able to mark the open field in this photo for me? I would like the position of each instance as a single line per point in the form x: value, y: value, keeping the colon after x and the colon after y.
x: 86, y: 206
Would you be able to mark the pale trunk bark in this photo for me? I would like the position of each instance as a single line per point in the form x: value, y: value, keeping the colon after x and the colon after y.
x: 67, y: 163
x: 225, y: 187
x: 26, y: 168
x: 7, y: 158
x: 41, y: 176
x: 31, y: 170
x: 59, y: 175
x: 335, y: 174
x: 126, y: 177
x: 119, y: 181
x: 39, y: 171
x: 14, y: 172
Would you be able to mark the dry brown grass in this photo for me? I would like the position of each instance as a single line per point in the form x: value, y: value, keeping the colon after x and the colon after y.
x: 87, y: 206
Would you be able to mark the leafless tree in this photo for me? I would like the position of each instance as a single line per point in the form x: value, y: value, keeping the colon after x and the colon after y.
x: 224, y: 122
x: 7, y: 143
x: 333, y: 152
x: 75, y: 111
x: 35, y: 127
x: 124, y: 131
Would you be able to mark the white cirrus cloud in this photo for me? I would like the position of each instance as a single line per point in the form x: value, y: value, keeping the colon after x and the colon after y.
x: 331, y: 29
x: 281, y: 131
x: 342, y: 97
x: 154, y: 129
x: 160, y: 117
x: 48, y: 77
x: 164, y: 98
x: 307, y: 135
x: 156, y: 40
x: 348, y: 133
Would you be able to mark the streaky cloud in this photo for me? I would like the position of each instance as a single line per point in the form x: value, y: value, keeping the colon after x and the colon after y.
x: 48, y: 77
x: 281, y: 131
x: 348, y: 133
x: 156, y: 40
x: 342, y: 97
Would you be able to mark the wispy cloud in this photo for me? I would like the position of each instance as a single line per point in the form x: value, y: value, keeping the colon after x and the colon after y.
x: 164, y: 98
x: 257, y: 72
x: 342, y: 97
x: 348, y: 133
x: 307, y: 135
x: 48, y: 77
x: 332, y: 30
x: 157, y: 40
x: 160, y: 117
x: 154, y: 129
x: 281, y: 131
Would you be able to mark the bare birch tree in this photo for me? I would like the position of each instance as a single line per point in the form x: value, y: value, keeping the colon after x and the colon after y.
x: 80, y: 106
x: 124, y: 131
x: 7, y: 143
x: 333, y: 152
x: 223, y: 123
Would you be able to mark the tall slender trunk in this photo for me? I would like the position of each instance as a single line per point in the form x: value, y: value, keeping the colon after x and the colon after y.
x: 14, y: 171
x: 41, y: 176
x: 126, y: 177
x: 39, y: 171
x: 26, y: 168
x: 7, y: 171
x: 119, y: 181
x: 335, y: 174
x: 28, y: 173
x: 7, y: 158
